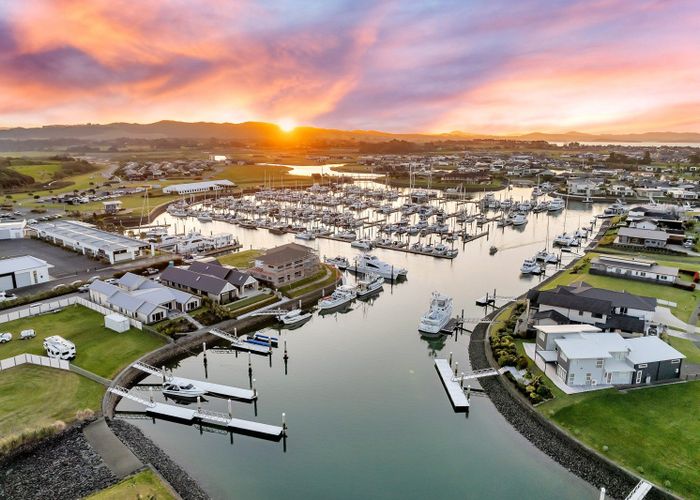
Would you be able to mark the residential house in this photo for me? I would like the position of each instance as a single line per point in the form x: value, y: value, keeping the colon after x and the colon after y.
x: 587, y: 358
x: 141, y: 298
x: 635, y: 269
x: 286, y: 264
x: 606, y: 309
x: 647, y: 238
x: 218, y: 283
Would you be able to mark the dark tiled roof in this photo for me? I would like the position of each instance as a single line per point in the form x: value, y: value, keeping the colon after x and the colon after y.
x: 285, y: 253
x: 555, y: 316
x: 583, y: 297
x: 624, y: 323
x: 210, y: 268
x: 196, y: 281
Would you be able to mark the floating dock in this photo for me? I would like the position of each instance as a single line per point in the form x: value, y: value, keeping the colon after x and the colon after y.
x: 216, y: 389
x: 454, y: 389
x: 238, y: 344
x: 190, y: 415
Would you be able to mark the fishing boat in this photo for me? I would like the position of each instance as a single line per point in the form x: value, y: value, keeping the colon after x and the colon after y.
x: 556, y: 205
x: 519, y: 219
x: 370, y: 284
x: 530, y: 266
x: 438, y: 315
x: 370, y: 264
x: 362, y: 244
x: 293, y: 317
x: 178, y: 388
x: 342, y: 295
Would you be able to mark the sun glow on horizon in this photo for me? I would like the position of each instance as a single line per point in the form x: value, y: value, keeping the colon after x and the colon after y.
x: 287, y: 125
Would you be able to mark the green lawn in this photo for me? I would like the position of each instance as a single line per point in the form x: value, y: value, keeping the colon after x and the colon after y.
x: 687, y: 347
x: 327, y: 277
x: 144, y: 485
x: 653, y: 431
x: 99, y: 350
x: 685, y: 300
x: 40, y: 173
x: 253, y: 175
x: 251, y: 303
x: 241, y: 260
x: 34, y: 397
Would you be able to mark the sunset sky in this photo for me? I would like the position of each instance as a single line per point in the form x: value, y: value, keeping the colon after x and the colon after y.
x: 492, y: 66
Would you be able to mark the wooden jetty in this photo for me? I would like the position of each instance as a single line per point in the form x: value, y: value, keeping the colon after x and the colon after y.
x: 475, y: 237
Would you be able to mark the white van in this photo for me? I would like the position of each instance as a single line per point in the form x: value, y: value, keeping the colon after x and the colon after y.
x: 59, y: 348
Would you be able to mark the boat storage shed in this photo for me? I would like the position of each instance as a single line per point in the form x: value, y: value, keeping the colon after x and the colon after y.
x: 12, y: 230
x: 24, y: 270
x: 117, y: 322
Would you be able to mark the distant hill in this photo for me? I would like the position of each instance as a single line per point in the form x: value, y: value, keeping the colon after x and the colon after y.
x: 262, y: 132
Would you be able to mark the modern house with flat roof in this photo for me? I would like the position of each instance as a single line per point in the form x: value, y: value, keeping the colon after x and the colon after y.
x: 93, y: 242
x: 647, y: 238
x: 199, y: 187
x: 581, y: 303
x: 584, y: 357
x: 141, y: 298
x: 25, y: 270
x: 634, y: 269
x: 286, y: 264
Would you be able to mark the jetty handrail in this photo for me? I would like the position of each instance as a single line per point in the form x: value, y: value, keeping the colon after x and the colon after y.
x: 639, y: 491
x: 486, y: 372
x: 124, y: 392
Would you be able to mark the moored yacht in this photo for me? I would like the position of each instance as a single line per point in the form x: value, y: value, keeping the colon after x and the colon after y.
x: 305, y: 235
x: 547, y: 257
x: 340, y: 262
x: 370, y: 284
x: 293, y: 317
x: 438, y: 315
x: 530, y: 266
x: 519, y: 219
x: 342, y: 295
x: 178, y: 388
x: 370, y: 264
x: 556, y: 205
x: 362, y: 244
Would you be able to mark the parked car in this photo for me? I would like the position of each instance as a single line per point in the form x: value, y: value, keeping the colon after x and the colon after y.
x: 5, y: 337
x: 7, y: 296
x: 84, y: 288
x: 94, y: 278
x: 111, y: 281
x: 151, y: 270
x: 27, y: 334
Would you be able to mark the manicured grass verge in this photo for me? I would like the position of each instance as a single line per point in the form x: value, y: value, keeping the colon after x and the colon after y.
x: 98, y: 349
x: 241, y: 260
x: 323, y: 279
x: 685, y: 300
x: 687, y: 347
x: 33, y: 398
x: 651, y: 431
x: 251, y: 303
x: 145, y: 484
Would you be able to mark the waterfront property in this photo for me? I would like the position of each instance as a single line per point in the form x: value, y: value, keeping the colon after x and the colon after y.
x: 90, y: 241
x: 286, y: 264
x: 645, y: 238
x: 26, y: 270
x: 581, y: 303
x: 634, y: 268
x: 141, y: 298
x: 218, y: 283
x: 584, y: 356
x: 199, y: 187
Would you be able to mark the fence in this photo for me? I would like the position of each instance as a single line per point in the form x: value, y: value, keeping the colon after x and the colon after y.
x: 54, y: 305
x: 33, y: 359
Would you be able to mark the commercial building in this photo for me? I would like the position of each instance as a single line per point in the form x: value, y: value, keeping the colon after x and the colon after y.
x: 286, y: 264
x: 12, y: 230
x: 199, y: 187
x: 25, y: 270
x: 634, y: 269
x: 93, y: 242
x: 141, y: 298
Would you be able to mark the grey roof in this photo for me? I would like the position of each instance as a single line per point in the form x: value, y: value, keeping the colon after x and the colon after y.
x: 21, y: 263
x: 88, y: 235
x: 591, y: 345
x: 647, y: 234
x: 583, y: 297
x: 284, y: 254
x: 624, y: 323
x: 651, y: 349
x: 637, y: 266
x: 238, y: 278
x: 194, y: 280
x: 555, y: 316
x: 210, y: 268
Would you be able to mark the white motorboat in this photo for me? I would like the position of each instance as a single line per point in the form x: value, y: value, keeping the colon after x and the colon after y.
x: 178, y: 388
x: 293, y: 317
x: 530, y: 266
x: 342, y: 295
x: 347, y: 235
x: 547, y: 257
x: 370, y: 284
x: 305, y: 235
x: 363, y: 244
x: 204, y: 217
x: 370, y: 264
x: 340, y: 262
x: 556, y: 205
x: 564, y: 240
x: 519, y: 219
x: 438, y: 315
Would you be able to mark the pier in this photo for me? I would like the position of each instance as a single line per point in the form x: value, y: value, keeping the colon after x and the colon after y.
x: 215, y: 389
x: 205, y: 416
x: 238, y: 344
x: 454, y: 389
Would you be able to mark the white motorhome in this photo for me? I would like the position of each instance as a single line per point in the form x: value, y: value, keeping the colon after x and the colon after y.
x: 59, y: 348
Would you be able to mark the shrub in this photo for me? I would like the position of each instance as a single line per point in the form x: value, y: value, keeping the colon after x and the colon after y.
x: 522, y: 363
x: 544, y: 391
x: 506, y: 360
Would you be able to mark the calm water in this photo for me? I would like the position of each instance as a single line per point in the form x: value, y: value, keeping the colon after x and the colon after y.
x: 368, y: 416
x: 325, y: 169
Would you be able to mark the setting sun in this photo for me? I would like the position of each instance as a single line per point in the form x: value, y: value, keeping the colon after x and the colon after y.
x: 286, y: 124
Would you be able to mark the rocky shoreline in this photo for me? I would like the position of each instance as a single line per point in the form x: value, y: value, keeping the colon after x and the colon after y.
x: 149, y: 453
x: 548, y: 438
x: 61, y: 467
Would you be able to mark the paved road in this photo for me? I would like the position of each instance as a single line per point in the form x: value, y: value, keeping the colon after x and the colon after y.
x: 120, y: 460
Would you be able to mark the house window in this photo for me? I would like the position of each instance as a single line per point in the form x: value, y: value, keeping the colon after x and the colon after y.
x: 675, y: 361
x: 580, y: 313
x: 540, y: 336
x: 571, y: 379
x: 597, y: 315
x: 599, y: 363
x: 643, y: 365
x: 563, y: 357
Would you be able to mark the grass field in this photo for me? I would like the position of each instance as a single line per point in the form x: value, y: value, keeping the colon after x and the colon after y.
x: 98, y: 349
x: 241, y: 260
x: 687, y: 347
x: 40, y: 173
x: 651, y: 431
x: 144, y: 485
x: 33, y: 397
x: 252, y: 175
x: 685, y: 300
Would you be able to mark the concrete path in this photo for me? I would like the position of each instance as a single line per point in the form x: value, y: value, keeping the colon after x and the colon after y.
x: 120, y: 460
x: 664, y: 316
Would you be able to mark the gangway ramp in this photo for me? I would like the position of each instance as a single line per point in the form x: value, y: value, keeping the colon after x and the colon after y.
x: 486, y: 372
x: 236, y: 343
x: 640, y: 491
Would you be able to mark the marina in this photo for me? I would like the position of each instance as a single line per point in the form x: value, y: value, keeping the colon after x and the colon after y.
x: 454, y: 389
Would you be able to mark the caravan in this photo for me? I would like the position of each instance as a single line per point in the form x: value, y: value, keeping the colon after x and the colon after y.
x: 59, y: 348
